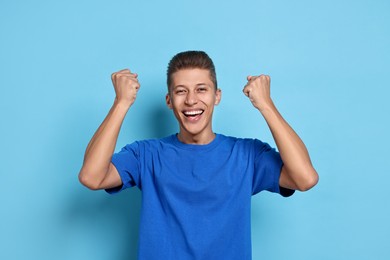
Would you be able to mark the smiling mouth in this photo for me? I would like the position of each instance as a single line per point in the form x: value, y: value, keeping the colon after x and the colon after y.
x: 193, y: 113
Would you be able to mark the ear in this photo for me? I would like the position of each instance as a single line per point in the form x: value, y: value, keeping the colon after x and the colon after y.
x: 168, y: 101
x: 218, y: 96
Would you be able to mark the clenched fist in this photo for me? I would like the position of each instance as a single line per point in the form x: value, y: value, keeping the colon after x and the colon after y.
x: 258, y: 91
x: 126, y: 86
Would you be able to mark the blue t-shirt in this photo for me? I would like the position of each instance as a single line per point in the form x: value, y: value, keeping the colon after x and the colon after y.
x: 196, y: 199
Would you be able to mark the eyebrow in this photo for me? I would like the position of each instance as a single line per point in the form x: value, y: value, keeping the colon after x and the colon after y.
x: 198, y: 84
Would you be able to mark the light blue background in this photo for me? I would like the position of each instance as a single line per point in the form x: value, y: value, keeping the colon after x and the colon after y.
x: 329, y: 62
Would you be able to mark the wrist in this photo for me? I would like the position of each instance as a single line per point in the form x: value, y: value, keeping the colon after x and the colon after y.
x: 266, y: 108
x: 271, y: 115
x: 120, y: 104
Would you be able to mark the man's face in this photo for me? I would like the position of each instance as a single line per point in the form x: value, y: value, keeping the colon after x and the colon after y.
x: 192, y: 98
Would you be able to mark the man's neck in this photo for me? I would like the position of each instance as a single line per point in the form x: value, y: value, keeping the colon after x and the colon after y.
x: 203, y: 138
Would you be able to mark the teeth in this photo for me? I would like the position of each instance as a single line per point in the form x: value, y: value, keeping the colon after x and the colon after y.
x: 192, y: 113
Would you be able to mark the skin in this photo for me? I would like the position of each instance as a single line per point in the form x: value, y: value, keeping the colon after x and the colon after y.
x: 97, y: 171
x: 297, y: 172
x: 193, y: 93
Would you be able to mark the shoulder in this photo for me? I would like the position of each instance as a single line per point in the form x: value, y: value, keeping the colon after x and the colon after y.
x: 241, y: 141
x: 147, y: 144
x: 246, y: 145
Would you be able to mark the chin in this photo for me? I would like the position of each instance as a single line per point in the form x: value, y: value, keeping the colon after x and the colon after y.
x: 194, y: 130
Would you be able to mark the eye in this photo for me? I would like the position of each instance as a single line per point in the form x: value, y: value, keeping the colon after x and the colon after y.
x: 202, y: 89
x: 180, y: 91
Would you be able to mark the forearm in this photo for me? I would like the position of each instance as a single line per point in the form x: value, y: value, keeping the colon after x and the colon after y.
x: 99, y: 151
x: 104, y: 124
x: 297, y: 172
x: 292, y: 150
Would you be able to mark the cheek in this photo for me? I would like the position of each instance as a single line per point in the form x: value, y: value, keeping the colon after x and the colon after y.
x: 211, y: 100
x: 176, y: 102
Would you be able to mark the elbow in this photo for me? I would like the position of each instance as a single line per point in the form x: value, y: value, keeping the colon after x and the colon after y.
x: 88, y: 181
x: 311, y: 179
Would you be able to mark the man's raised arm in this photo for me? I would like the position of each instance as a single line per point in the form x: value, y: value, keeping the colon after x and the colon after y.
x: 297, y: 171
x: 97, y: 171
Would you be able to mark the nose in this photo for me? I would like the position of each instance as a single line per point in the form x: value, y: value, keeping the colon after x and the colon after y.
x: 191, y: 99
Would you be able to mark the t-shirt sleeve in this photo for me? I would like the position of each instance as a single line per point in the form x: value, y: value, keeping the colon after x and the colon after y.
x: 127, y: 164
x: 268, y: 166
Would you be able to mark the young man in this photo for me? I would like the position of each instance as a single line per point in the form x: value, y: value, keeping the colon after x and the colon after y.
x: 196, y: 185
